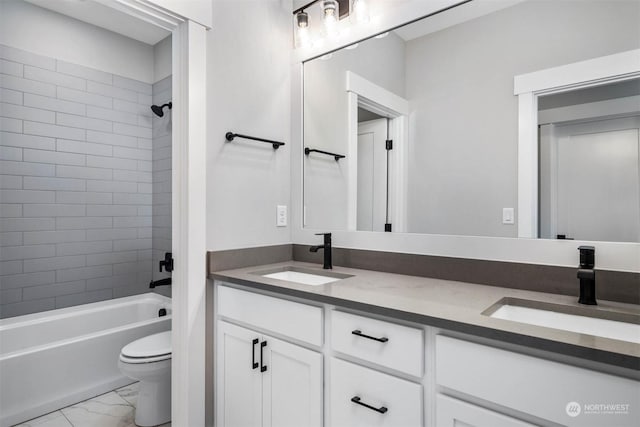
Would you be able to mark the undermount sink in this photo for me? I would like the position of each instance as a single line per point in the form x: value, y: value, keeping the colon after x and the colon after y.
x: 302, y: 276
x: 590, y: 321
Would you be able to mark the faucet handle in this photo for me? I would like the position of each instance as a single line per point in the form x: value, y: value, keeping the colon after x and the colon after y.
x: 587, y: 256
x: 323, y: 234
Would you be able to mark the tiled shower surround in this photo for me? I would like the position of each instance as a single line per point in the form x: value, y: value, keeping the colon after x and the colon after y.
x: 76, y: 184
x: 161, y: 178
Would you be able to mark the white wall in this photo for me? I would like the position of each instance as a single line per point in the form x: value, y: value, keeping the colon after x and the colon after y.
x: 34, y: 29
x: 464, y: 120
x: 248, y: 90
x: 162, y: 59
x: 380, y: 61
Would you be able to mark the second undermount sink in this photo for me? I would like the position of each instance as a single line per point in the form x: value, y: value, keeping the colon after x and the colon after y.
x: 302, y: 276
x: 590, y: 321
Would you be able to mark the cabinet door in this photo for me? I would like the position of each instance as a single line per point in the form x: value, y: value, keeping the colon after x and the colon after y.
x: 292, y: 385
x: 239, y: 394
x: 456, y: 413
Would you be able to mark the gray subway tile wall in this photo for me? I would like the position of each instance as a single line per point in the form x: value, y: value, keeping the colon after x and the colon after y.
x: 80, y: 155
x: 161, y: 178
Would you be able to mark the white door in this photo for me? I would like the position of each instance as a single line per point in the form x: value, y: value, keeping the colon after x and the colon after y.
x: 456, y: 413
x: 372, y: 175
x: 292, y: 385
x: 598, y: 180
x: 239, y: 380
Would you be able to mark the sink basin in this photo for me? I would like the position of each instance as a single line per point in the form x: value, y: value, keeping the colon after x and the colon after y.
x: 303, y: 276
x: 590, y: 321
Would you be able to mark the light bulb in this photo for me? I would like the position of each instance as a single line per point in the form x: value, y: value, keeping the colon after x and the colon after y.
x: 302, y: 38
x: 359, y: 11
x: 330, y: 17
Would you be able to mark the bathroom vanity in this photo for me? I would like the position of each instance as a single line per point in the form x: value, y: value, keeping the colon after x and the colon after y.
x: 380, y: 349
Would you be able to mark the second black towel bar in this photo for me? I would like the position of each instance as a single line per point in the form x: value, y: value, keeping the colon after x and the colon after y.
x: 230, y: 136
x: 313, y: 150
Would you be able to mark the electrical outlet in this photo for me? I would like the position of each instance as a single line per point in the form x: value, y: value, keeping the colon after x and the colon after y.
x: 508, y: 216
x: 281, y: 216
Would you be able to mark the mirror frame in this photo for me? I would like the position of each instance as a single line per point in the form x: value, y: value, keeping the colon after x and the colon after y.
x: 528, y: 87
x: 611, y: 255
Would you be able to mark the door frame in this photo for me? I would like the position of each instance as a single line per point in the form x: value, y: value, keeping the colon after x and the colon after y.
x: 365, y: 94
x: 188, y: 204
x: 528, y: 87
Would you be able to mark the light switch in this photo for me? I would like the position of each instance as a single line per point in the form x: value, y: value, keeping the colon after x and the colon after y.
x: 507, y: 216
x: 281, y: 216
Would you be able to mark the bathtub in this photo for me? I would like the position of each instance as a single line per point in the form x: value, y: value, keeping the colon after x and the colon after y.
x: 53, y: 359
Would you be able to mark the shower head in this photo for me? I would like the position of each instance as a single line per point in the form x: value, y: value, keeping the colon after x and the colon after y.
x: 157, y: 110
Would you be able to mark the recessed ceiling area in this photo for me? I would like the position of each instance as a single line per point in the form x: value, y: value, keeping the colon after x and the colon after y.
x: 105, y: 17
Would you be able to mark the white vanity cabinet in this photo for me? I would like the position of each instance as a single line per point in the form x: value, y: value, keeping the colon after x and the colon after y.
x: 262, y: 380
x: 284, y: 363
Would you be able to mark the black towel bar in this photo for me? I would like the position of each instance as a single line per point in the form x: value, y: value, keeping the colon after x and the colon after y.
x: 313, y: 150
x: 230, y: 136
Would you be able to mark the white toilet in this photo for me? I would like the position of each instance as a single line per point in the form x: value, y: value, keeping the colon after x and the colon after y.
x: 148, y: 360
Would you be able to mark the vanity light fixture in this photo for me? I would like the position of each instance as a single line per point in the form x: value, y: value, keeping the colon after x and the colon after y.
x: 332, y: 12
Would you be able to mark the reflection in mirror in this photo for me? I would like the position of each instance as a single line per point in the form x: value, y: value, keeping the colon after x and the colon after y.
x: 444, y: 85
x: 372, y: 187
x: 589, y: 163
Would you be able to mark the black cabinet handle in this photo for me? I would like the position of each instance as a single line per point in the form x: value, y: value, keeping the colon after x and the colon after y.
x: 254, y: 364
x: 263, y: 367
x: 381, y: 410
x: 360, y: 334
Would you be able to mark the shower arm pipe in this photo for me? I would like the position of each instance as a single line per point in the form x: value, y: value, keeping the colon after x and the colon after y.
x: 230, y: 136
x: 313, y: 150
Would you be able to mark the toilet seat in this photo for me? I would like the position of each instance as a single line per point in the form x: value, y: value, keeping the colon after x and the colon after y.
x: 153, y: 348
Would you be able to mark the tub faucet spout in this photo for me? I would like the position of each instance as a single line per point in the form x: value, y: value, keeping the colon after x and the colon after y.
x: 587, y: 275
x: 161, y: 282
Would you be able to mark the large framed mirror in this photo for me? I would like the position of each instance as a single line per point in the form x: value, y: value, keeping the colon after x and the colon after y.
x: 442, y: 90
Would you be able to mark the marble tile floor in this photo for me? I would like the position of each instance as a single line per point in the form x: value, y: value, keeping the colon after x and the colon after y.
x: 113, y: 409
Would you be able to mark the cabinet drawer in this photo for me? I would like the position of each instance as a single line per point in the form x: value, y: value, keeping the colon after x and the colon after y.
x: 292, y: 319
x: 454, y: 413
x: 535, y: 386
x: 393, y: 402
x: 387, y: 344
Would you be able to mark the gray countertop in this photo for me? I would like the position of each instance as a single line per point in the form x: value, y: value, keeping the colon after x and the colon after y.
x: 447, y: 304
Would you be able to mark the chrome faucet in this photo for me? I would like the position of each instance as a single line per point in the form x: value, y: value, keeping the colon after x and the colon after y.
x: 327, y: 250
x: 587, y: 275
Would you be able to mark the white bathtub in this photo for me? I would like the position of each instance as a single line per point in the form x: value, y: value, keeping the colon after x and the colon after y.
x: 52, y: 359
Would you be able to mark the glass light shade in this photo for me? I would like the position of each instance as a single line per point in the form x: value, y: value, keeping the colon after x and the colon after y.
x: 330, y: 17
x: 301, y: 34
x: 359, y: 11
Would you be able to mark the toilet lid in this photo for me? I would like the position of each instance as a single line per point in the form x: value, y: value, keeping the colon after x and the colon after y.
x: 151, y: 346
